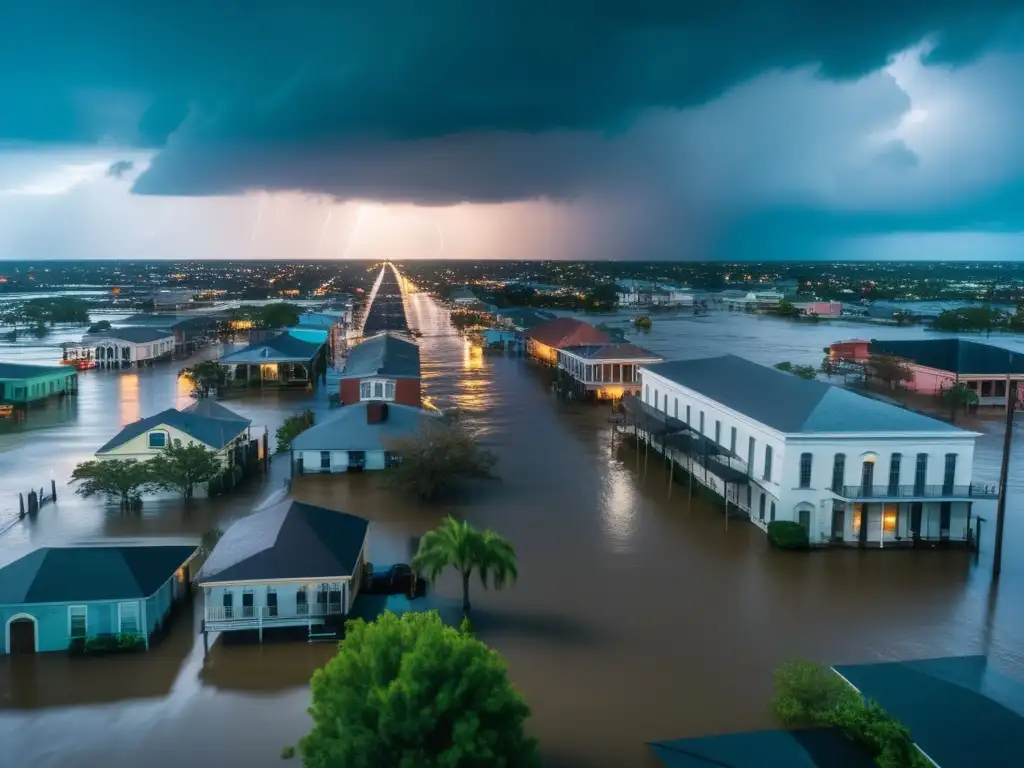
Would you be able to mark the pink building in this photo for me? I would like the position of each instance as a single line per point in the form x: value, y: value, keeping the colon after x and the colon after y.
x: 820, y: 308
x: 938, y: 364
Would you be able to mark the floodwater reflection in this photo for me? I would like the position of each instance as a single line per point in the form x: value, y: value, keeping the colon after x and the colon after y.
x: 637, y: 615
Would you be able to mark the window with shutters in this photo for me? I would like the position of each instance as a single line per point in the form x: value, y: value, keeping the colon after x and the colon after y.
x: 128, y: 618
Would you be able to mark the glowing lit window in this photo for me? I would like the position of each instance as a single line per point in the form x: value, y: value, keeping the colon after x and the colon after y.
x: 889, y: 518
x: 856, y: 517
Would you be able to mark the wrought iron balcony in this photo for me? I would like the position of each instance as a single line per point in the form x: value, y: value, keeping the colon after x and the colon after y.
x: 917, y: 492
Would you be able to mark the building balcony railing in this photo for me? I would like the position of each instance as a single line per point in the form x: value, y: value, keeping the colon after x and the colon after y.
x: 919, y: 492
x: 254, y: 616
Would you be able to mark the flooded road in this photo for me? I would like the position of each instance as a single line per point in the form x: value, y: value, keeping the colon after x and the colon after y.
x: 635, y: 617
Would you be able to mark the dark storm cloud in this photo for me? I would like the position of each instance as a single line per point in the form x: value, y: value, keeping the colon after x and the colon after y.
x: 332, y: 75
x: 120, y: 168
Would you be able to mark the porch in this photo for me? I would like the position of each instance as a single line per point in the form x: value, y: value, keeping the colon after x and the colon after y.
x: 259, y: 617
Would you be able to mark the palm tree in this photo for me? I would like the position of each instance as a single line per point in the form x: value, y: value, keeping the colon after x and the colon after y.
x: 464, y: 548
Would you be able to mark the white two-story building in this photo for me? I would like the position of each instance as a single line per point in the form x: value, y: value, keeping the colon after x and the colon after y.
x: 851, y: 469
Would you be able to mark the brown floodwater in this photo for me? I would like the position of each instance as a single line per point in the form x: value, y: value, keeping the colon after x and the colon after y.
x: 636, y: 617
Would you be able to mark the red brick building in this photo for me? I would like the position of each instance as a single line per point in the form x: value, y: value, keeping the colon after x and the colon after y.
x: 383, y: 367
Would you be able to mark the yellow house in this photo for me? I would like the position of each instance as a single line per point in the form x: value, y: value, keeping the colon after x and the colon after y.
x: 204, y: 422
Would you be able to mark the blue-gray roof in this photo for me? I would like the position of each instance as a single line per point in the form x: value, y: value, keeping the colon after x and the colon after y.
x: 348, y: 430
x: 81, y: 574
x: 281, y: 348
x: 19, y: 371
x: 290, y: 540
x: 954, y: 355
x: 789, y: 404
x: 383, y: 355
x: 131, y: 333
x: 808, y: 748
x: 209, y: 423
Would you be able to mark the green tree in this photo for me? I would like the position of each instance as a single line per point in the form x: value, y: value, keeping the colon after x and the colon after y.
x: 204, y: 376
x: 786, y: 308
x: 785, y: 365
x: 807, y: 693
x: 410, y: 692
x: 435, y: 457
x: 959, y: 397
x: 209, y: 540
x: 122, y: 479
x: 892, y: 371
x: 181, y: 467
x: 603, y: 298
x: 293, y: 427
x: 466, y: 549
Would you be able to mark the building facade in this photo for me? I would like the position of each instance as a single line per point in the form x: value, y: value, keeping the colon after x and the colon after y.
x: 605, y: 371
x: 543, y: 341
x: 851, y: 469
x: 24, y: 384
x: 128, y: 347
x: 384, y: 368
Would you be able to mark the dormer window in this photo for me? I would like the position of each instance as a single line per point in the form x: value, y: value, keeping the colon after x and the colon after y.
x: 377, y: 389
x: 158, y: 439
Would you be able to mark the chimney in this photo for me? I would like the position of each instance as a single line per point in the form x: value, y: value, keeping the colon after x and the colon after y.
x: 376, y: 412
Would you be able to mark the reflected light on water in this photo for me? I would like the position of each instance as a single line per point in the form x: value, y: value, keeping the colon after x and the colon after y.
x: 129, y: 408
x: 618, y: 503
x: 472, y: 357
x: 183, y: 392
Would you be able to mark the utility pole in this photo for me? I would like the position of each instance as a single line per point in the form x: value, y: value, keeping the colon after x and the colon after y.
x: 1011, y: 406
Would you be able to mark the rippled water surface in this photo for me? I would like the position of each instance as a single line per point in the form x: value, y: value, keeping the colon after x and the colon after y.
x: 636, y: 616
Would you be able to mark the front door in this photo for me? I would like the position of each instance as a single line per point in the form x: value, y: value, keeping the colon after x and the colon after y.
x: 229, y: 601
x: 838, y: 522
x: 23, y: 636
x: 248, y: 600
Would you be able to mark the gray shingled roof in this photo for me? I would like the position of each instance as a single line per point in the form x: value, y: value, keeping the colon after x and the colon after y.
x: 789, y: 404
x: 19, y: 371
x: 290, y: 540
x: 954, y: 355
x: 383, y: 355
x: 348, y: 430
x: 622, y: 350
x: 209, y: 423
x: 134, y: 334
x: 283, y: 348
x: 80, y: 574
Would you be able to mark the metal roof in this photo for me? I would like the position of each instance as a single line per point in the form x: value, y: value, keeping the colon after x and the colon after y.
x: 282, y: 348
x: 290, y: 540
x: 383, y: 355
x: 615, y: 351
x: 809, y: 748
x: 209, y: 423
x: 566, y: 332
x: 79, y: 574
x: 792, y: 405
x: 19, y: 371
x: 954, y: 355
x: 348, y: 430
x: 134, y: 334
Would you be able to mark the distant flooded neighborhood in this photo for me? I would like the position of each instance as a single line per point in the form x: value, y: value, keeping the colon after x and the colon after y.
x: 670, y: 497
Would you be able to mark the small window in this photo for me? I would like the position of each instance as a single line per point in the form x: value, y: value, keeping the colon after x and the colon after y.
x: 768, y: 463
x: 702, y: 422
x: 78, y: 621
x: 805, y: 470
x: 389, y: 390
x: 157, y: 439
x: 890, y: 514
x: 732, y: 441
x: 657, y: 399
x: 838, y: 472
x: 128, y: 618
x: 688, y: 415
x: 378, y: 389
x: 718, y: 432
x: 675, y: 407
x: 325, y: 459
x: 760, y: 511
x: 365, y: 390
x: 772, y: 513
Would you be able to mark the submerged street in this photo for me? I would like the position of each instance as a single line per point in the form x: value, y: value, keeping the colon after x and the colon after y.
x: 635, y: 617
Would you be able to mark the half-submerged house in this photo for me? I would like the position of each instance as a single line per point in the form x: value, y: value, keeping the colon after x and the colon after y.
x: 289, y: 359
x: 383, y: 367
x: 24, y: 384
x: 604, y: 371
x: 204, y: 422
x: 543, y: 341
x: 128, y: 347
x: 290, y: 565
x: 56, y: 597
x: 356, y: 438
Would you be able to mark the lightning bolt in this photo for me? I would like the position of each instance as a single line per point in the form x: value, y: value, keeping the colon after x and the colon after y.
x: 353, y: 233
x: 323, y: 229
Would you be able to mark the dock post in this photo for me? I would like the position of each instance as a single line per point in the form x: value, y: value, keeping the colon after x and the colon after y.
x: 33, y: 503
x: 21, y: 504
x: 53, y: 489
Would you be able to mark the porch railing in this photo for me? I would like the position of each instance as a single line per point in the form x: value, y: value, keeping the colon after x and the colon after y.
x: 882, y: 492
x: 265, y: 614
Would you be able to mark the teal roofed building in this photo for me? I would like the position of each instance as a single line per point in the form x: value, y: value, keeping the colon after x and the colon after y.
x: 293, y: 358
x: 56, y: 597
x: 24, y: 384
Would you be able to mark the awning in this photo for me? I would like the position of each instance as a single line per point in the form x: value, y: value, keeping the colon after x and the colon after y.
x: 649, y: 418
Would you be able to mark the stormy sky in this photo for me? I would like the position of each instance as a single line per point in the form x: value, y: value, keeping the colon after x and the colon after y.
x: 512, y: 129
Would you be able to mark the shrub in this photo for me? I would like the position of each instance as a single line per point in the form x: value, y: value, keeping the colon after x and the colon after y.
x: 786, y: 534
x: 809, y: 694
